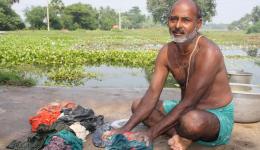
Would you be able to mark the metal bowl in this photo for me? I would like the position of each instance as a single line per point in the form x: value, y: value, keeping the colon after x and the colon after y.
x: 240, y: 77
x: 247, y: 103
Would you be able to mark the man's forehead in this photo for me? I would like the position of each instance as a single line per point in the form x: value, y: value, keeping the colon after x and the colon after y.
x: 184, y: 8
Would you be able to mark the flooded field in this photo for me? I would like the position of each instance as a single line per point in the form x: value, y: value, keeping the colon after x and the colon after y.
x: 106, y: 59
x: 127, y: 77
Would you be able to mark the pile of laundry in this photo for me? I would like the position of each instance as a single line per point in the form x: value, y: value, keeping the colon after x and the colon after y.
x: 59, y: 126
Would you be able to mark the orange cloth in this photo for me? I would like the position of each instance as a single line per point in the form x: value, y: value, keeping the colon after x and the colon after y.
x: 48, y: 114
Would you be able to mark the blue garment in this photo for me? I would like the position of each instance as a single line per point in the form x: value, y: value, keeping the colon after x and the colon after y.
x: 97, y: 135
x: 225, y: 116
x: 120, y: 142
x: 69, y: 139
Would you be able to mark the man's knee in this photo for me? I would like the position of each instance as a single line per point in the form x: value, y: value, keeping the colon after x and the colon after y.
x: 192, y: 123
x: 135, y: 105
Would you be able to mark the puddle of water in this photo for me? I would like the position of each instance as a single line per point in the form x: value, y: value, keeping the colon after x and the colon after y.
x: 240, y: 52
x: 234, y: 52
x: 247, y: 66
x: 117, y: 77
x: 123, y: 77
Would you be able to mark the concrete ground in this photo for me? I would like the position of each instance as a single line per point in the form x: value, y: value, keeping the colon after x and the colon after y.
x: 17, y: 104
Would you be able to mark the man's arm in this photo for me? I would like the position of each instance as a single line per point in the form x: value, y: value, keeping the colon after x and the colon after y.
x: 206, y: 68
x: 149, y: 100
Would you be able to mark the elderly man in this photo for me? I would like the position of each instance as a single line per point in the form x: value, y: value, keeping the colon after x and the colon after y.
x: 205, y: 112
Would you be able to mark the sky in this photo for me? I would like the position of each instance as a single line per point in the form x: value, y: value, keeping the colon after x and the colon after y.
x: 227, y: 10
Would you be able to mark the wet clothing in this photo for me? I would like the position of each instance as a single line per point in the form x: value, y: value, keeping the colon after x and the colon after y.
x: 45, y: 116
x: 49, y: 114
x: 80, y: 131
x: 121, y: 142
x: 83, y: 116
x: 97, y: 135
x: 57, y: 143
x: 69, y: 139
x: 225, y: 116
x: 36, y: 140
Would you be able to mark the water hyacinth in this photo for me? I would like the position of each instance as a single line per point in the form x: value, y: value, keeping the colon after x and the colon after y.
x: 61, y: 56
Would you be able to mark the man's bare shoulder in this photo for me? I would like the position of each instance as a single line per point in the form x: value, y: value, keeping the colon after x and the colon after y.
x: 164, y: 53
x: 166, y: 47
x: 208, y: 49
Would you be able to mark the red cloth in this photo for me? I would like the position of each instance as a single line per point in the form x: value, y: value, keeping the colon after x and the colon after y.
x: 48, y: 114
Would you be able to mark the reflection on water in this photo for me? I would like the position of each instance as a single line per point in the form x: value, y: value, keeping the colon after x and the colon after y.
x: 239, y: 52
x: 117, y: 77
x: 234, y: 52
x: 123, y: 77
x: 245, y: 65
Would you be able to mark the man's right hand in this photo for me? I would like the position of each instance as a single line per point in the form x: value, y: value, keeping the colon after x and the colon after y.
x: 108, y: 134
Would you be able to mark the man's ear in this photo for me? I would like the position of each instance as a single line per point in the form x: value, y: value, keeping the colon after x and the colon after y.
x: 199, y: 23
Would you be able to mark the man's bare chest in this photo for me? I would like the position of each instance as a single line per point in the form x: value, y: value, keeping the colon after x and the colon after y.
x: 179, y: 70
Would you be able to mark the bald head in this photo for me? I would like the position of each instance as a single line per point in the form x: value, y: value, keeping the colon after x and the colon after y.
x: 192, y: 5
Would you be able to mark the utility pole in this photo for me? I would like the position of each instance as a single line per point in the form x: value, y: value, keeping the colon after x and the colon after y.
x: 48, y: 17
x: 119, y: 24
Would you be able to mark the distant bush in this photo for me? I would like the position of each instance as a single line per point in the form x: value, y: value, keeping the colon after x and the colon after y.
x: 254, y: 29
x: 9, y: 77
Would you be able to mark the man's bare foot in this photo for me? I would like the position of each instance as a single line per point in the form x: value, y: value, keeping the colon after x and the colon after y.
x: 179, y: 143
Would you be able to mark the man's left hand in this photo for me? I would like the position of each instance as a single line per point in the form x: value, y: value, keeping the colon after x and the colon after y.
x: 145, y: 137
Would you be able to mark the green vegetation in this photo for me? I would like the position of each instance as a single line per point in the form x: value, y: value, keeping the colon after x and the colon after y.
x: 238, y: 38
x: 107, y: 18
x: 9, y: 20
x: 35, y: 17
x: 133, y: 19
x: 82, y: 16
x: 11, y: 77
x: 250, y: 22
x: 255, y: 28
x: 62, y: 56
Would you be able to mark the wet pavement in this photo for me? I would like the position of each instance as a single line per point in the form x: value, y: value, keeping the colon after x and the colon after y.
x: 17, y: 104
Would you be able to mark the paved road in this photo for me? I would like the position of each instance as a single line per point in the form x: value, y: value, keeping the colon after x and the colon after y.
x: 17, y: 104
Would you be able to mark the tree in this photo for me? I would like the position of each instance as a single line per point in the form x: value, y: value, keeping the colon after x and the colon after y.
x: 255, y: 14
x: 254, y: 28
x: 133, y: 18
x: 160, y: 9
x: 9, y: 20
x: 241, y: 24
x: 136, y: 18
x: 56, y: 11
x: 57, y: 5
x: 126, y: 23
x: 82, y: 16
x: 107, y: 18
x: 35, y: 17
x: 247, y: 21
x: 55, y: 20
